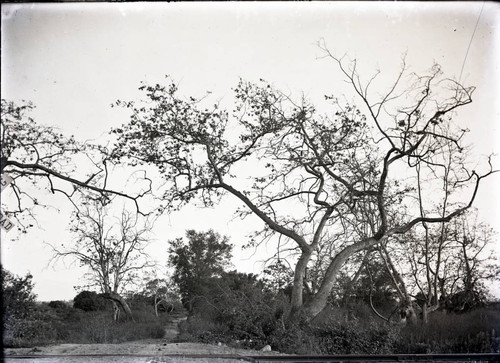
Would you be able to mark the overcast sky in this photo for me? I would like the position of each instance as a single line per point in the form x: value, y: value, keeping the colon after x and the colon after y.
x: 73, y: 60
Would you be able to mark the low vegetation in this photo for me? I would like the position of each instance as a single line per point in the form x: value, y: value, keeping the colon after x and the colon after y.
x: 48, y: 325
x: 89, y: 319
x: 344, y: 330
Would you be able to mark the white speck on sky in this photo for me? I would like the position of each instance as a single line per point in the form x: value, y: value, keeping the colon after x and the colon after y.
x: 72, y: 60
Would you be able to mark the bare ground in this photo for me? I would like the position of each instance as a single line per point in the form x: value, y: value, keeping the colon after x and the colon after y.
x: 134, y: 348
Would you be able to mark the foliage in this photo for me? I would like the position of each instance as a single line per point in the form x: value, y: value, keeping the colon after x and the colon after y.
x: 337, y: 330
x: 205, y: 256
x: 237, y: 308
x: 355, y: 337
x: 371, y: 283
x: 252, y: 320
x: 17, y: 295
x: 18, y: 303
x: 466, y: 300
x: 90, y: 301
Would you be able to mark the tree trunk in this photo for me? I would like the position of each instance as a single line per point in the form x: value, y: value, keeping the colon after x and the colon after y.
x: 318, y: 302
x: 410, y: 315
x: 425, y: 313
x: 298, y: 282
x: 116, y: 311
x: 116, y: 298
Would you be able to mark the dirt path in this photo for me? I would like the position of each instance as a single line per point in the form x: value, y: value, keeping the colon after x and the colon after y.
x: 172, y: 329
x: 133, y: 352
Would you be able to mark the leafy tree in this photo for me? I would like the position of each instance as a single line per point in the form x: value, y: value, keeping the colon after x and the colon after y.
x: 39, y: 157
x: 204, y: 256
x: 322, y: 182
x: 17, y: 295
x: 113, y: 249
x: 18, y: 306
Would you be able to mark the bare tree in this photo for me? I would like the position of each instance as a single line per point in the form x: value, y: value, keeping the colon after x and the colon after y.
x: 113, y: 249
x: 448, y: 268
x: 39, y: 157
x: 315, y: 177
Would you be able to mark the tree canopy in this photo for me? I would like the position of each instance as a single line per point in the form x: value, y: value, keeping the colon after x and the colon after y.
x: 348, y: 179
x: 195, y: 263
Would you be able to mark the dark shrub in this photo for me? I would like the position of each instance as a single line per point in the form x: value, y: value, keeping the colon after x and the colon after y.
x: 90, y: 301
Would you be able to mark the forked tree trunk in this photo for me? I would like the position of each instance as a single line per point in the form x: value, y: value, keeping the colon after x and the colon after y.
x: 121, y: 302
x: 116, y: 311
x: 318, y: 301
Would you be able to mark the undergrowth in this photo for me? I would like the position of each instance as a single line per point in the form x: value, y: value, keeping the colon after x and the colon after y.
x: 48, y: 325
x: 354, y: 331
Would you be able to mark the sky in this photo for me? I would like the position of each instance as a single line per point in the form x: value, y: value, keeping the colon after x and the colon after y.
x: 74, y: 60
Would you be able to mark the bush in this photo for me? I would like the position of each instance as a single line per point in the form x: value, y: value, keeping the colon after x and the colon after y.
x: 295, y: 339
x: 17, y: 295
x: 355, y: 337
x: 18, y: 304
x: 90, y: 301
x: 28, y: 332
x: 200, y: 329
